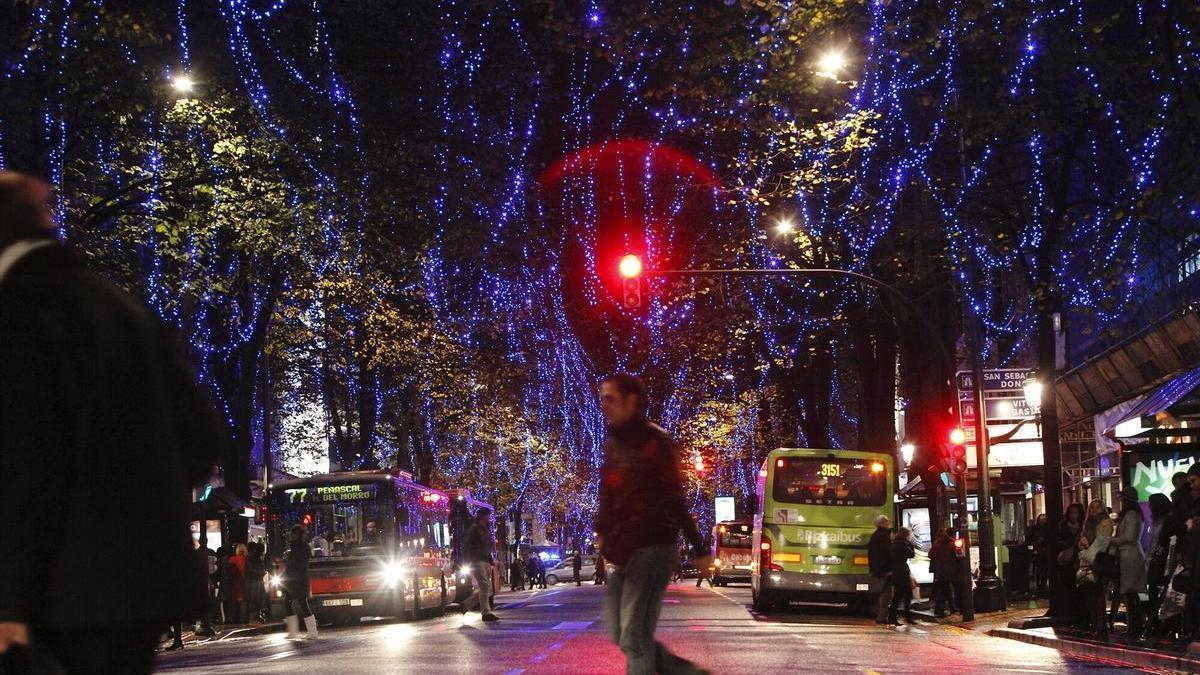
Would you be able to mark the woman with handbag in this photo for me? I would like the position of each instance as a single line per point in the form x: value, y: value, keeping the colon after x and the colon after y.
x: 1128, y: 543
x: 1095, y: 569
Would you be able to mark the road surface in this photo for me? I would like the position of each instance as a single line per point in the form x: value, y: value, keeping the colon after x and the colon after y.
x: 560, y: 630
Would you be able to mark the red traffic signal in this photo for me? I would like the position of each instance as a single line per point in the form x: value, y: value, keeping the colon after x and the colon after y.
x: 954, y: 453
x: 960, y: 547
x: 958, y: 436
x: 630, y: 266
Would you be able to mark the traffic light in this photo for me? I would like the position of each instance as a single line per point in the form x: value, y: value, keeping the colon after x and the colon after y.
x: 631, y: 283
x: 955, y: 454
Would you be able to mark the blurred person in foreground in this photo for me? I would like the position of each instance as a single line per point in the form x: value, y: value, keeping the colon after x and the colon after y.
x: 102, y: 430
x: 642, y: 512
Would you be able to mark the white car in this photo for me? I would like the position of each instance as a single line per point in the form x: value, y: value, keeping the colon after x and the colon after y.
x: 563, y: 572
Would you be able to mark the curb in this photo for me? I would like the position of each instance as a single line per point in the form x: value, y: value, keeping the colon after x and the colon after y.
x: 1136, y: 657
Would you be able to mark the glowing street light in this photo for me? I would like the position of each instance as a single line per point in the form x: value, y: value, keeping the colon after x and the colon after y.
x: 906, y: 452
x: 784, y: 226
x: 831, y: 63
x: 183, y: 84
x: 1033, y: 392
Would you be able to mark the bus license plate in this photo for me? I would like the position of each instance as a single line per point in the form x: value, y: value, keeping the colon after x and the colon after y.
x: 827, y: 560
x: 342, y: 602
x: 862, y: 587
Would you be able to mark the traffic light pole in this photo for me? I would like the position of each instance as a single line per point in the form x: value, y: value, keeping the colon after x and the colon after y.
x: 989, y: 593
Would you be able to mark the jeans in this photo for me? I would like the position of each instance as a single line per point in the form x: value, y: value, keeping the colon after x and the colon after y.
x: 295, y: 600
x: 481, y: 573
x: 902, y: 595
x: 885, y: 601
x: 635, y: 595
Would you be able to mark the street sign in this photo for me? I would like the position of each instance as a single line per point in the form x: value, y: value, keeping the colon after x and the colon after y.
x: 725, y: 508
x: 994, y: 380
x: 1010, y: 408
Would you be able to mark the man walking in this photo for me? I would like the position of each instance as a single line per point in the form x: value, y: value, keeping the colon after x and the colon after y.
x: 642, y: 511
x: 102, y: 430
x: 879, y: 564
x: 477, y: 552
x: 577, y: 564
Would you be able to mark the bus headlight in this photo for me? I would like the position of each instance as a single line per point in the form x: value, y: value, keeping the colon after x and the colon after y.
x: 393, y: 574
x: 716, y: 562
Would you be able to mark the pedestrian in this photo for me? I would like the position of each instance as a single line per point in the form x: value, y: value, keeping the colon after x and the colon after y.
x: 577, y: 565
x: 98, y: 411
x: 943, y: 562
x: 1097, y: 535
x: 703, y: 574
x: 1128, y: 543
x: 1158, y: 543
x: 477, y: 554
x: 516, y: 574
x: 642, y: 512
x: 601, y: 570
x: 540, y: 565
x: 235, y: 582
x: 256, y: 592
x: 1067, y: 602
x: 295, y: 586
x: 902, y: 581
x: 879, y: 565
x: 1042, y: 556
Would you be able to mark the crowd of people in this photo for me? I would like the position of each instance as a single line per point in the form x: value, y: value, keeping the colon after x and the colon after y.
x: 1104, y: 560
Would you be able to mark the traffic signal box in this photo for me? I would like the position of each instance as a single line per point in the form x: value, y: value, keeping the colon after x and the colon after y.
x: 630, y: 268
x: 954, y: 452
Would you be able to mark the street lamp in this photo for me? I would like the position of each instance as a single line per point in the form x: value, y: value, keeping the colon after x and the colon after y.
x: 831, y: 63
x: 784, y: 226
x: 1033, y: 392
x: 183, y: 84
x: 907, y: 451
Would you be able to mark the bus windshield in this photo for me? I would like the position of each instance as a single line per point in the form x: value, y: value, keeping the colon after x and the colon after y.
x: 342, y: 520
x: 829, y: 481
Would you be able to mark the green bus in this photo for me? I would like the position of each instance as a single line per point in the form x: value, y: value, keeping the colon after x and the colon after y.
x: 816, y: 513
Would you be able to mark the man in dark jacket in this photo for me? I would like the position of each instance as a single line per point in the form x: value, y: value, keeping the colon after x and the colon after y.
x: 477, y: 553
x: 102, y: 430
x: 577, y: 565
x: 642, y: 512
x: 879, y: 564
x: 902, y: 551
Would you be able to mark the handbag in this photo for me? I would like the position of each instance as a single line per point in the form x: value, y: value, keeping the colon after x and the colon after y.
x: 1085, y: 577
x: 1182, y: 581
x: 1107, y: 565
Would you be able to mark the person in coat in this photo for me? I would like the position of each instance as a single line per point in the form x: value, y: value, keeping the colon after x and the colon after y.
x: 879, y: 564
x: 943, y: 562
x: 103, y: 430
x: 902, y: 581
x: 516, y: 574
x: 1097, y: 535
x: 643, y: 510
x: 477, y: 554
x: 577, y: 565
x: 1128, y: 544
x: 295, y: 585
x: 235, y: 580
x: 1066, y: 601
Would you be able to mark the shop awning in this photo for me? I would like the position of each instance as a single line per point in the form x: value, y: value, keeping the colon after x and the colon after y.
x: 1140, y: 365
x: 1149, y: 404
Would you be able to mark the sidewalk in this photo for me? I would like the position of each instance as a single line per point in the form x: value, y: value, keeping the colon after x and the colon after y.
x: 1023, y: 621
x: 223, y: 632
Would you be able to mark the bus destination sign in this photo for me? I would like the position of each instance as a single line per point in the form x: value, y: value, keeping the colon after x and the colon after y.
x: 328, y: 494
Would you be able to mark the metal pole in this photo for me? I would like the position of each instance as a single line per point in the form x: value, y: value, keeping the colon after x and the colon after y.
x: 966, y: 598
x: 990, y: 590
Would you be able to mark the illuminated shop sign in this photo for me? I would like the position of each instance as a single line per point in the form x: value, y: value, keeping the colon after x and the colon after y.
x: 1150, y: 472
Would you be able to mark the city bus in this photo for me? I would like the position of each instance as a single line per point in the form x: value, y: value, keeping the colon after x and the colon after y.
x: 733, y: 551
x: 816, y: 512
x: 381, y: 543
